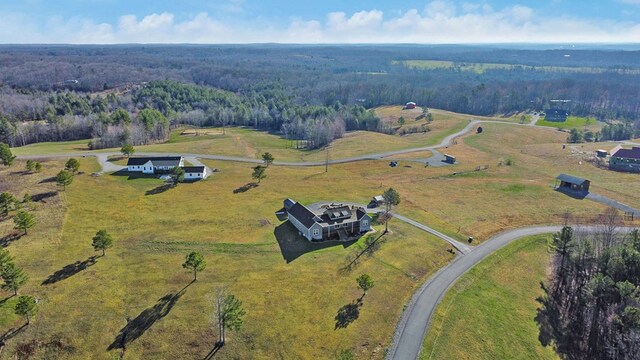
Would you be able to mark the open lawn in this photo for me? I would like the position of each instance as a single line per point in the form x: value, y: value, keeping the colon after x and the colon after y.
x: 481, y: 203
x: 292, y: 293
x: 489, y: 312
x: 251, y: 143
x: 573, y: 122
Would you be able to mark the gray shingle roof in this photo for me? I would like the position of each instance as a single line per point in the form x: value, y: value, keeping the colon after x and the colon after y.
x: 571, y: 179
x: 156, y: 160
x: 633, y: 153
x: 193, y: 169
x: 302, y: 214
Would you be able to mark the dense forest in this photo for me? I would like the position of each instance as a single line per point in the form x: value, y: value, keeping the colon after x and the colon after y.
x: 591, y: 309
x: 311, y: 93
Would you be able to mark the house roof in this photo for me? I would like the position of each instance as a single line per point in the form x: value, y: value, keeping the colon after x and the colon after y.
x: 193, y: 169
x: 288, y: 203
x: 137, y: 161
x: 633, y: 153
x: 156, y: 160
x: 302, y: 214
x: 360, y: 213
x: 571, y: 179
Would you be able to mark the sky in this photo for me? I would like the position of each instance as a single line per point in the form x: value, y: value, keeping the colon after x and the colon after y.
x: 327, y: 21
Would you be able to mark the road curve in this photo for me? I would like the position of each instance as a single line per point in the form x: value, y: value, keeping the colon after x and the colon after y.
x: 447, y: 141
x: 415, y: 320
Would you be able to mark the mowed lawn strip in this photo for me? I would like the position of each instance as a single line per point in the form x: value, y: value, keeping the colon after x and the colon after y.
x: 489, y: 312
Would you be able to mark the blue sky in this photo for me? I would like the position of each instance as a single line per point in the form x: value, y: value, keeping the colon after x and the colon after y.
x: 328, y: 21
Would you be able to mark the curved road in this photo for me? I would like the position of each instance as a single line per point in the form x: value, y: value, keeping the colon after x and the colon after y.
x: 415, y: 320
x: 436, y: 160
x: 414, y: 323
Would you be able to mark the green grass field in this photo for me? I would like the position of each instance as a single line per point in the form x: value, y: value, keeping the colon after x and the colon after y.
x: 572, y: 122
x: 291, y: 307
x: 291, y: 292
x: 489, y: 312
x: 250, y: 143
x: 480, y: 68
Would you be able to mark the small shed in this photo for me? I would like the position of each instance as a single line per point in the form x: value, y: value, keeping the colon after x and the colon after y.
x: 573, y: 183
x: 410, y: 105
x: 602, y: 153
x: 449, y: 159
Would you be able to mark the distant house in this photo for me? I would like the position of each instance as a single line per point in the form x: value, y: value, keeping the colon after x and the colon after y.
x: 556, y: 115
x: 330, y: 222
x: 572, y: 183
x: 602, y: 153
x: 195, y: 172
x: 625, y: 159
x: 152, y: 165
x: 410, y: 105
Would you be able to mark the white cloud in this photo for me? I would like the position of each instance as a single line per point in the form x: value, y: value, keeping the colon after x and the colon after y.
x: 439, y: 22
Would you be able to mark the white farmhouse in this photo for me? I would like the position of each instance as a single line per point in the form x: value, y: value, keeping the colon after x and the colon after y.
x: 151, y: 165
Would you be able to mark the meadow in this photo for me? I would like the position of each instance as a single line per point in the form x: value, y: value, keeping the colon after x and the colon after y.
x: 480, y: 68
x: 292, y: 291
x: 489, y: 312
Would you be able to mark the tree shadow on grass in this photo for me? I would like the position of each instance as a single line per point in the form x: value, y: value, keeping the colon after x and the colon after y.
x: 213, y: 351
x: 292, y: 245
x: 143, y: 322
x: 8, y: 239
x: 246, y: 187
x: 548, y: 320
x: 48, y: 180
x: 132, y: 175
x: 70, y: 270
x: 348, y: 314
x: 43, y: 196
x: 160, y: 189
x: 10, y: 333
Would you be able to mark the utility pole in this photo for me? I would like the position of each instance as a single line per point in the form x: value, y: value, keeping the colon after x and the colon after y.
x: 326, y: 162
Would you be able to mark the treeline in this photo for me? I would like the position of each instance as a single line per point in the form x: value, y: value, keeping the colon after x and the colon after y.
x: 609, y: 132
x: 146, y: 114
x: 305, y: 91
x: 591, y: 309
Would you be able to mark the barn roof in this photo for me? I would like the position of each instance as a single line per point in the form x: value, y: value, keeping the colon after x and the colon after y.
x: 633, y: 153
x: 571, y: 179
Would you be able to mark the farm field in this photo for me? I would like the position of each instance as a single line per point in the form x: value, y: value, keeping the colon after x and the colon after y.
x: 476, y: 321
x: 140, y: 278
x: 480, y: 68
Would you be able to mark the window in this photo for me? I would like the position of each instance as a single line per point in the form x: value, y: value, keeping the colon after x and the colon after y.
x: 316, y: 232
x: 365, y: 222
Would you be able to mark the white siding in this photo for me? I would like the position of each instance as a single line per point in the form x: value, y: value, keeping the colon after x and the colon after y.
x: 300, y: 227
